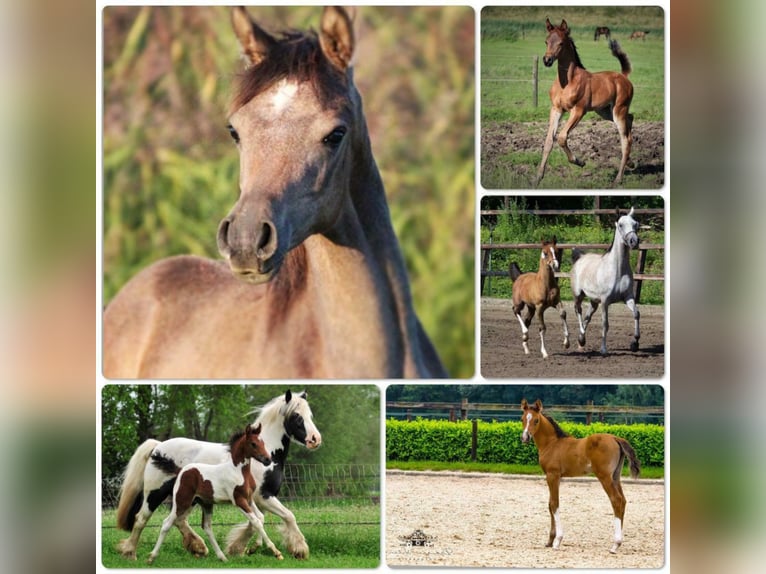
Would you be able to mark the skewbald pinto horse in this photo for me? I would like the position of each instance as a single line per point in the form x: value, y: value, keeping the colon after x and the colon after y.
x: 578, y: 91
x: 535, y: 292
x: 561, y: 455
x: 313, y: 282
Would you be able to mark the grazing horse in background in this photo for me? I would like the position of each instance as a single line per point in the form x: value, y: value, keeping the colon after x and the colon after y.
x: 313, y: 282
x: 146, y: 484
x: 577, y: 91
x: 602, y: 31
x: 606, y: 279
x: 561, y: 455
x: 208, y: 484
x: 639, y: 34
x: 535, y: 292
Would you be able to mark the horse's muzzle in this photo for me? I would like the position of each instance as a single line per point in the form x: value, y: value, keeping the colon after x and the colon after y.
x: 313, y: 441
x: 633, y: 240
x: 547, y: 61
x: 251, y: 250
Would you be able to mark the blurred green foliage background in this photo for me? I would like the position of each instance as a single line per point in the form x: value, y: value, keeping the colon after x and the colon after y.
x: 170, y: 170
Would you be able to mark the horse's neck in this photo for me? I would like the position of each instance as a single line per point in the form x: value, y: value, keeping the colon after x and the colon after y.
x: 369, y: 200
x: 273, y: 436
x: 545, y: 436
x: 618, y: 254
x: 566, y: 59
x: 545, y: 274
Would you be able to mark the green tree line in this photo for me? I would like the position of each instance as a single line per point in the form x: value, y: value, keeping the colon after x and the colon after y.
x: 348, y: 416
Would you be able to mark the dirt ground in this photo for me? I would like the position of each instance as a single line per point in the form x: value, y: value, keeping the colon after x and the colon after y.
x: 502, y: 355
x: 482, y: 520
x: 596, y: 142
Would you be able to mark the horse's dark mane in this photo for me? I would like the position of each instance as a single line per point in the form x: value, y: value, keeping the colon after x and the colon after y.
x: 559, y: 431
x: 294, y: 55
x: 577, y: 60
x: 235, y: 437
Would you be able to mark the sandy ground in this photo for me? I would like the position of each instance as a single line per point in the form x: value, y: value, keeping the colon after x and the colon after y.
x: 480, y: 520
x: 502, y: 355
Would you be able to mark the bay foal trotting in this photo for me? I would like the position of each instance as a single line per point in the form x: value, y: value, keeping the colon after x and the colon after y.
x: 313, y: 282
x: 561, y: 455
x: 208, y: 484
x: 605, y: 279
x: 535, y: 292
x: 577, y: 91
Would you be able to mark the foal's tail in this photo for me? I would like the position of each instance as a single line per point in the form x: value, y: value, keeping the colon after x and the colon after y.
x: 577, y: 253
x: 514, y: 270
x: 132, y: 488
x: 627, y: 450
x: 618, y: 53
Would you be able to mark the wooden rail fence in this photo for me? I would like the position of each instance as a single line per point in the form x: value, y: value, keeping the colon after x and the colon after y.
x: 462, y: 410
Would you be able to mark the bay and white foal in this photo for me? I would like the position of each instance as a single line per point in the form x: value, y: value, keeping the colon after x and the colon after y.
x: 228, y: 482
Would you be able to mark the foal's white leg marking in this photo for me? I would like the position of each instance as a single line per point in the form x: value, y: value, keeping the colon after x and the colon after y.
x: 524, y: 333
x: 207, y: 526
x: 167, y: 524
x: 559, y: 530
x: 563, y: 315
x: 617, y: 535
x: 542, y: 345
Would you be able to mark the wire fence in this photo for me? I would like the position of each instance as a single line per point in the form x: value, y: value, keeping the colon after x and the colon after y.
x: 309, y: 484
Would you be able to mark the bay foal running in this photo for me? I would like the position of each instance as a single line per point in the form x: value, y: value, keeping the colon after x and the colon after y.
x: 228, y: 482
x: 535, y: 292
x: 577, y: 91
x: 561, y: 455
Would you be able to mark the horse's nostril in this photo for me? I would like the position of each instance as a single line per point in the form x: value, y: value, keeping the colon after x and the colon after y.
x: 222, y: 238
x: 266, y: 244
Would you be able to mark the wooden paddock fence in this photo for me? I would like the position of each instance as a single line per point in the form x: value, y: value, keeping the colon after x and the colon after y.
x: 638, y: 273
x: 464, y: 410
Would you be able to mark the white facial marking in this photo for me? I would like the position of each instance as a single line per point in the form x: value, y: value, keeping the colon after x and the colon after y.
x: 285, y: 91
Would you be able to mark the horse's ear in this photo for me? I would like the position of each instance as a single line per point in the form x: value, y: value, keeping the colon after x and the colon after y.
x: 630, y: 214
x: 304, y: 395
x: 255, y: 42
x: 548, y: 25
x: 524, y: 404
x: 288, y: 396
x: 539, y: 405
x: 337, y: 36
x: 564, y: 27
x: 553, y: 240
x: 248, y: 429
x: 257, y: 429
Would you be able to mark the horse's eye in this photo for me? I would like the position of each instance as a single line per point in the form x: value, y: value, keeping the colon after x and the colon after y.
x: 233, y: 133
x: 335, y: 136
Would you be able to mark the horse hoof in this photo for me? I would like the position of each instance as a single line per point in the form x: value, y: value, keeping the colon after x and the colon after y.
x: 634, y: 346
x: 566, y: 344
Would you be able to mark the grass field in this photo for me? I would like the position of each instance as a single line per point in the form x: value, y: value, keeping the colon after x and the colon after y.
x: 339, y: 535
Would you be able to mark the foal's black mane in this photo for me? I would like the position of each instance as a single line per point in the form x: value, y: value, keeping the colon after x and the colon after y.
x: 559, y: 431
x: 235, y: 437
x: 297, y: 56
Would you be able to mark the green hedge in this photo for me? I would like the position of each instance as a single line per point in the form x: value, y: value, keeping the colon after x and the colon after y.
x: 501, y: 442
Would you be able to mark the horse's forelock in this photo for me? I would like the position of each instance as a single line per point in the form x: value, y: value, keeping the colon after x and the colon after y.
x: 278, y: 408
x: 296, y: 56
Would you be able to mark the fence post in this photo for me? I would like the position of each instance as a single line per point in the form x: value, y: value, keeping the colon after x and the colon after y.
x: 535, y: 65
x: 464, y: 409
x: 640, y: 263
x: 409, y: 415
x: 474, y: 439
x: 589, y: 414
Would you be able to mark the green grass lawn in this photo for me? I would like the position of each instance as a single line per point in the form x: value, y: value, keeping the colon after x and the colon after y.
x: 646, y: 472
x: 339, y: 535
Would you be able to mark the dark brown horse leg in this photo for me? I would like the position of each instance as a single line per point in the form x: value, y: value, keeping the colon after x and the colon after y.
x: 613, y: 490
x: 553, y: 125
x: 563, y: 315
x: 575, y: 115
x: 557, y: 531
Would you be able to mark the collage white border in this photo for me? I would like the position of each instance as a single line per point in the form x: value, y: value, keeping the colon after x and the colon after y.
x: 480, y: 192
